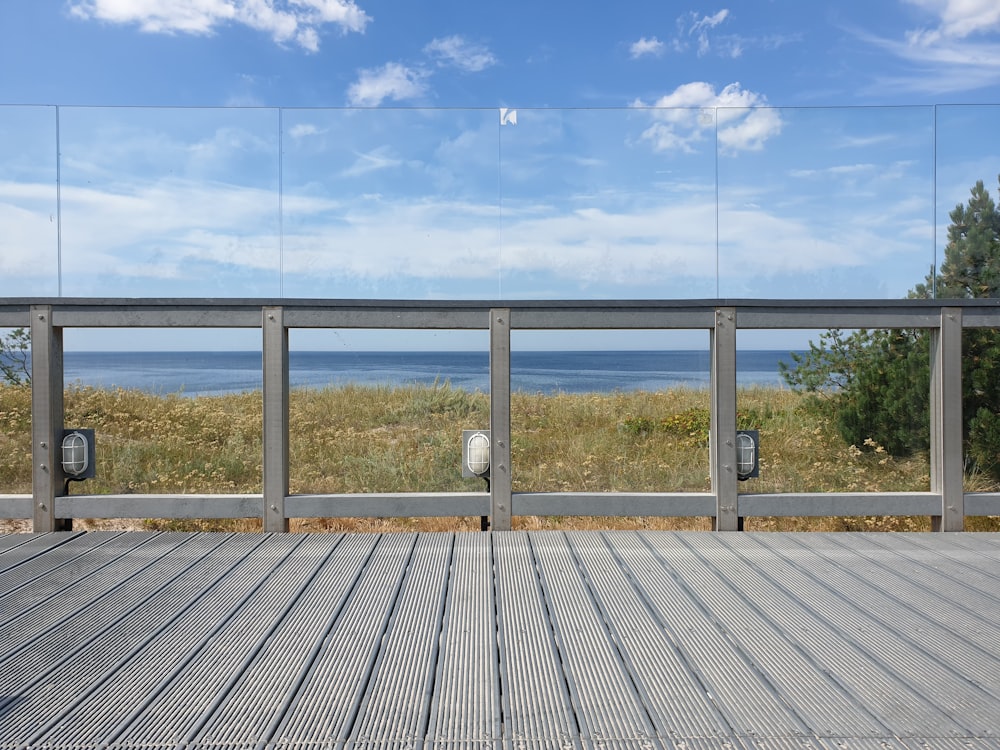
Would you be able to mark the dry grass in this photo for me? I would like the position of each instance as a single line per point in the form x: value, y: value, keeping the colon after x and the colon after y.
x: 371, y: 439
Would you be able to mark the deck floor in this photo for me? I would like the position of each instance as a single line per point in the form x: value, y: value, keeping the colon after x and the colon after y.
x: 514, y: 640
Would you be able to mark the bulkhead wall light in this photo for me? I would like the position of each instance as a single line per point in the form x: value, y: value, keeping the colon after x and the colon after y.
x: 747, y: 454
x: 476, y: 453
x: 78, y: 454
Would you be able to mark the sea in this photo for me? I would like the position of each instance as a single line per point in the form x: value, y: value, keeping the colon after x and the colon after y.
x: 203, y: 373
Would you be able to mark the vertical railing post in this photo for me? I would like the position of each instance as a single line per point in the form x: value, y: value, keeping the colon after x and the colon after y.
x: 947, y: 470
x: 46, y: 420
x: 722, y: 432
x: 275, y: 442
x: 500, y: 473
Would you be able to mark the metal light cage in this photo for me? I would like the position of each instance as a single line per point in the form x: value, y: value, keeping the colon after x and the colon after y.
x: 747, y: 454
x: 78, y: 454
x: 475, y: 453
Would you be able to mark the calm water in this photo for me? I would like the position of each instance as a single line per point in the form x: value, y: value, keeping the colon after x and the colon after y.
x: 206, y: 373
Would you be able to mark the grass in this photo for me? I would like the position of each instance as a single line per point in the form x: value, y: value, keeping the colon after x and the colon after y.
x: 378, y: 439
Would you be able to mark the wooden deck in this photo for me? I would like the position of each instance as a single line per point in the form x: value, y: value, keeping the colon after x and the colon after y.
x: 506, y: 640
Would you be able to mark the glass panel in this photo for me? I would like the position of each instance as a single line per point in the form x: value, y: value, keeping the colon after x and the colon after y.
x: 852, y: 419
x: 170, y: 202
x: 15, y: 445
x: 390, y: 204
x: 167, y: 420
x: 586, y: 419
x: 603, y: 204
x: 29, y: 263
x: 981, y: 408
x: 967, y: 152
x: 383, y: 411
x: 968, y: 224
x: 825, y: 203
x: 164, y: 361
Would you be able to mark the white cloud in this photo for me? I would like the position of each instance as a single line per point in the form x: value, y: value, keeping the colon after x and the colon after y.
x: 287, y: 21
x: 644, y: 46
x: 957, y: 19
x: 686, y: 115
x: 835, y: 171
x: 708, y: 22
x: 373, y: 161
x: 392, y: 81
x: 418, y: 240
x: 749, y: 129
x: 772, y: 244
x: 591, y: 246
x: 457, y: 52
x: 150, y: 231
x: 308, y: 39
x: 704, y: 34
x: 957, y: 52
x: 180, y: 230
x: 942, y: 66
x: 855, y: 141
x: 701, y: 26
x: 395, y: 81
x: 28, y: 242
x: 304, y: 130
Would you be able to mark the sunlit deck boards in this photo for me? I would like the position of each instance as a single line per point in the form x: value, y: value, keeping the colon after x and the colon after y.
x: 506, y: 640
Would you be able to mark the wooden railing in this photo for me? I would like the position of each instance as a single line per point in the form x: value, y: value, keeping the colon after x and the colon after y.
x: 946, y: 502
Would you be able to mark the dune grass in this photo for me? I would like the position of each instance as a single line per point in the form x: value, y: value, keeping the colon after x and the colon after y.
x: 380, y: 439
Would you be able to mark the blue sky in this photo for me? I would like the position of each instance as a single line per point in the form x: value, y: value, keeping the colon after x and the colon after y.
x: 321, y: 148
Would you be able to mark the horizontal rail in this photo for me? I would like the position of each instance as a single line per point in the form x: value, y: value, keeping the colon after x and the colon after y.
x: 651, y: 504
x: 347, y: 505
x: 474, y: 315
x: 388, y: 505
x: 982, y: 503
x: 186, y: 506
x: 15, y: 506
x: 813, y: 504
x: 945, y: 503
x: 436, y: 504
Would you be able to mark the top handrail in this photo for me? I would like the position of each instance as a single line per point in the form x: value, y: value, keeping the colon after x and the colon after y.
x: 87, y: 312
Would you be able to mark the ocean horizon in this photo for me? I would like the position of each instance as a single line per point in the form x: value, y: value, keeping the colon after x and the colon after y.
x: 201, y: 373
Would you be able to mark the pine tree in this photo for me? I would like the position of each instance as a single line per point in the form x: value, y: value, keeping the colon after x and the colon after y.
x: 971, y: 269
x: 877, y: 382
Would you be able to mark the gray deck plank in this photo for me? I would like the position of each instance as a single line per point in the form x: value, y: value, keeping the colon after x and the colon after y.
x: 260, y: 690
x: 25, y: 562
x: 800, y: 684
x: 750, y: 703
x: 171, y: 679
x: 966, y: 573
x: 395, y: 709
x: 537, y: 708
x: 735, y: 599
x: 61, y: 626
x: 953, y: 604
x: 465, y: 710
x: 326, y: 703
x: 37, y: 542
x: 500, y: 641
x: 929, y: 617
x: 67, y: 588
x: 911, y: 693
x: 604, y: 698
x: 680, y: 707
x: 47, y: 684
x: 868, y: 693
